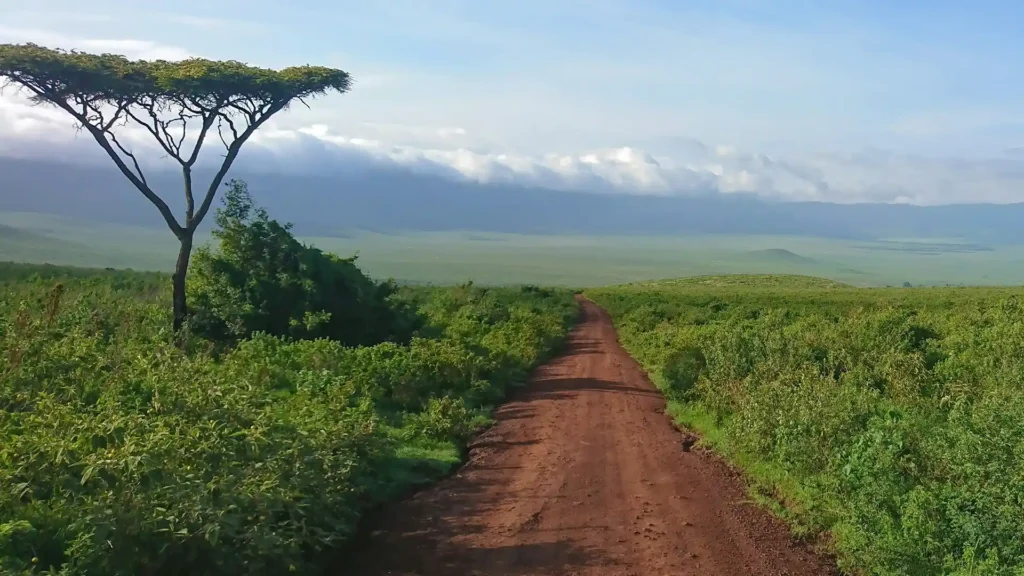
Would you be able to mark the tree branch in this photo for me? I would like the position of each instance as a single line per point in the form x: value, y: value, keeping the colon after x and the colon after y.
x: 220, y: 131
x: 186, y: 170
x: 172, y: 142
x: 233, y: 150
x: 121, y: 107
x: 208, y: 121
x: 162, y: 206
x: 238, y: 106
x: 154, y: 130
x: 190, y: 203
x: 138, y: 170
x: 184, y: 104
x: 142, y: 187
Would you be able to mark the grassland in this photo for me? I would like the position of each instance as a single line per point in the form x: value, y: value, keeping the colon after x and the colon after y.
x: 890, y: 420
x: 123, y: 452
x: 500, y: 259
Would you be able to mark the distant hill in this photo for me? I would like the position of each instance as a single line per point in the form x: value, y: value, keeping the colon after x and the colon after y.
x: 781, y: 255
x: 396, y: 200
x: 774, y: 281
x: 11, y: 234
x: 17, y: 245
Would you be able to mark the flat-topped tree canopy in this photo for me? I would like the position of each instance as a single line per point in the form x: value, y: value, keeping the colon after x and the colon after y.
x: 81, y: 78
x: 104, y: 92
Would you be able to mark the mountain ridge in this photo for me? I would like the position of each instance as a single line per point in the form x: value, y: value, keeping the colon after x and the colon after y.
x: 398, y: 200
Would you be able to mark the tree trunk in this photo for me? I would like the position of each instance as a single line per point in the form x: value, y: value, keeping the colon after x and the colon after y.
x: 178, y: 281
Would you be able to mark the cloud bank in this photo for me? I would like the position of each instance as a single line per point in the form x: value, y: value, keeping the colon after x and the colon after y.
x: 871, y: 176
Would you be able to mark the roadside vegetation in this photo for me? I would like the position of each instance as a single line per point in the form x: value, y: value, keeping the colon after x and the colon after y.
x: 891, y: 420
x: 299, y: 394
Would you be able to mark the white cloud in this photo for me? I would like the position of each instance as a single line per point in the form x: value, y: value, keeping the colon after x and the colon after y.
x: 870, y: 176
x: 420, y: 134
x: 135, y: 49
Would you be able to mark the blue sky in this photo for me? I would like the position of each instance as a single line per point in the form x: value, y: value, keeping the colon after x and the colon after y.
x: 816, y: 84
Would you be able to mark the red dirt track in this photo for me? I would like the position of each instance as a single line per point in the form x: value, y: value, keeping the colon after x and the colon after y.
x: 584, y: 475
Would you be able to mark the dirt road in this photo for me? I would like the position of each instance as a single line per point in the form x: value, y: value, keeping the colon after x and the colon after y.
x: 584, y: 475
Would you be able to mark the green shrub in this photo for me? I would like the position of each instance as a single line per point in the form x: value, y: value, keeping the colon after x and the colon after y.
x: 681, y: 371
x: 123, y: 453
x: 441, y: 419
x: 891, y: 418
x: 261, y: 279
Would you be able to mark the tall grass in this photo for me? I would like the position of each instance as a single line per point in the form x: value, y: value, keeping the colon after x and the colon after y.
x: 122, y: 452
x: 890, y: 419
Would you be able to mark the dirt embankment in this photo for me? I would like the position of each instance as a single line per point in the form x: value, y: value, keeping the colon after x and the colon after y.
x: 584, y: 475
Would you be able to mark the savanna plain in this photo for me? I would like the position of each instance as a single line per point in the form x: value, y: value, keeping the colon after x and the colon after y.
x: 879, y: 429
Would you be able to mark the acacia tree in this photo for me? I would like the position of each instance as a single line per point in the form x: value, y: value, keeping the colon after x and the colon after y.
x: 178, y: 104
